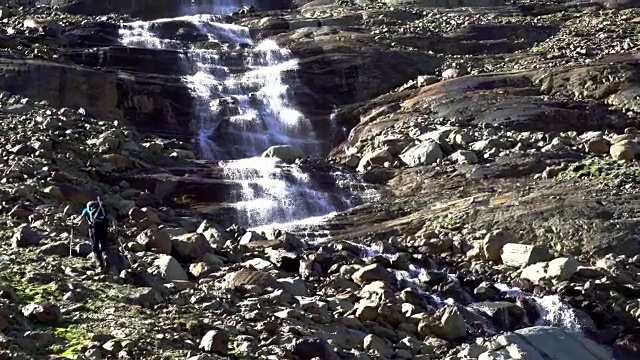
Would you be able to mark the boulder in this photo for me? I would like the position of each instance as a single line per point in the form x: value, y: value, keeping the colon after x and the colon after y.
x: 423, y: 153
x: 170, y: 269
x: 374, y: 158
x: 520, y: 255
x: 155, y: 240
x: 190, y: 246
x: 552, y: 343
x: 624, y: 150
x: 215, y: 341
x: 371, y: 273
x: 25, y: 237
x: 559, y: 269
x: 59, y: 248
x: 215, y: 234
x: 452, y: 325
x: 43, y: 313
x: 287, y: 153
x: 491, y: 246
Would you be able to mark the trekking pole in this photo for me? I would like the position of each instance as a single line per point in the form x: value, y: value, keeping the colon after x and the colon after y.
x: 71, y: 241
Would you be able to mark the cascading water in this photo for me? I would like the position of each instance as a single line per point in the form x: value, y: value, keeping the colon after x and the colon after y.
x: 551, y: 309
x: 241, y: 109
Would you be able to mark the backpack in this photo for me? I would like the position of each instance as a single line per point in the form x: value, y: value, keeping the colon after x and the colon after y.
x: 97, y: 214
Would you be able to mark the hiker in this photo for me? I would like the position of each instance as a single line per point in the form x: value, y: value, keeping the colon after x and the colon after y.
x: 98, y: 229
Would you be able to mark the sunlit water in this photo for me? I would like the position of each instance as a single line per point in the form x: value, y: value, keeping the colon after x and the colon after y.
x: 241, y: 109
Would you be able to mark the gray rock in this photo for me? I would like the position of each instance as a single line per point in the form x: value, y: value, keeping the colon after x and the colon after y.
x: 83, y: 249
x: 452, y: 325
x: 215, y: 234
x: 18, y: 109
x: 288, y: 154
x: 44, y: 313
x: 190, y: 246
x: 215, y: 341
x: 520, y: 255
x: 551, y: 343
x: 25, y: 237
x: 295, y: 287
x: 424, y: 153
x: 491, y: 246
x: 170, y: 268
x: 464, y: 157
x: 559, y: 269
x: 625, y: 150
x: 562, y: 268
x: 307, y: 349
x: 378, y: 345
x: 371, y: 273
x: 59, y: 248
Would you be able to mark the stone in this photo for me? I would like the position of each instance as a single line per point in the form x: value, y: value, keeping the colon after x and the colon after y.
x: 552, y: 343
x: 59, y: 248
x: 562, y: 269
x: 249, y: 277
x: 43, y: 312
x: 288, y: 154
x: 452, y: 325
x: 53, y: 192
x: 25, y: 237
x: 295, y: 287
x: 312, y: 348
x: 597, y: 146
x: 170, y: 268
x: 189, y: 247
x: 215, y: 235
x: 464, y: 157
x: 491, y: 246
x: 424, y: 153
x: 182, y: 154
x: 535, y: 272
x: 200, y: 269
x: 505, y: 316
x: 378, y: 345
x: 215, y: 341
x: 371, y: 273
x: 624, y: 150
x: 155, y: 240
x: 520, y: 255
x: 23, y: 149
x: 375, y: 158
x: 559, y: 269
x: 146, y: 297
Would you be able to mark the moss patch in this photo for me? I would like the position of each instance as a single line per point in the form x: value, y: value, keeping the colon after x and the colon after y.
x: 30, y: 292
x: 69, y: 341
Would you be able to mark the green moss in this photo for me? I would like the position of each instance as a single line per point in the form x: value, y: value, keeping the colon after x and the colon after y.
x: 30, y: 292
x: 69, y: 341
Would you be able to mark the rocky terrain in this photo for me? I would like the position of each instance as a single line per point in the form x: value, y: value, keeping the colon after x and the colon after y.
x: 502, y: 141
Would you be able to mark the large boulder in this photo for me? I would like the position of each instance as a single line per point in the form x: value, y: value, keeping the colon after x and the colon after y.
x: 551, y: 343
x: 286, y: 153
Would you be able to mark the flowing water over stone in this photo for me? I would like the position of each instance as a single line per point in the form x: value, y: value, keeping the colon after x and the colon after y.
x: 550, y: 309
x: 241, y: 108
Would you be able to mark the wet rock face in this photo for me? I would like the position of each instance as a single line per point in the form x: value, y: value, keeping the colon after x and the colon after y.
x: 149, y: 9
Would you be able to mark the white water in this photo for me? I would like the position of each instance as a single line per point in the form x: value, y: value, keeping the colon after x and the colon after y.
x: 552, y: 310
x: 241, y: 109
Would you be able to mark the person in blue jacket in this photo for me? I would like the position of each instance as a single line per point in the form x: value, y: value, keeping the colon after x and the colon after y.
x: 98, y: 220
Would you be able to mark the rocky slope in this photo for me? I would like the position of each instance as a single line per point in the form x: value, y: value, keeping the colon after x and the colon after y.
x: 502, y: 140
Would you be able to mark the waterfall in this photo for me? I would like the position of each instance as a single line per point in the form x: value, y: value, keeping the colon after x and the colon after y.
x: 241, y: 108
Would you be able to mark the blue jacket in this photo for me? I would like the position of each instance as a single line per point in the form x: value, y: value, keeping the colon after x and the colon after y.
x: 87, y: 214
